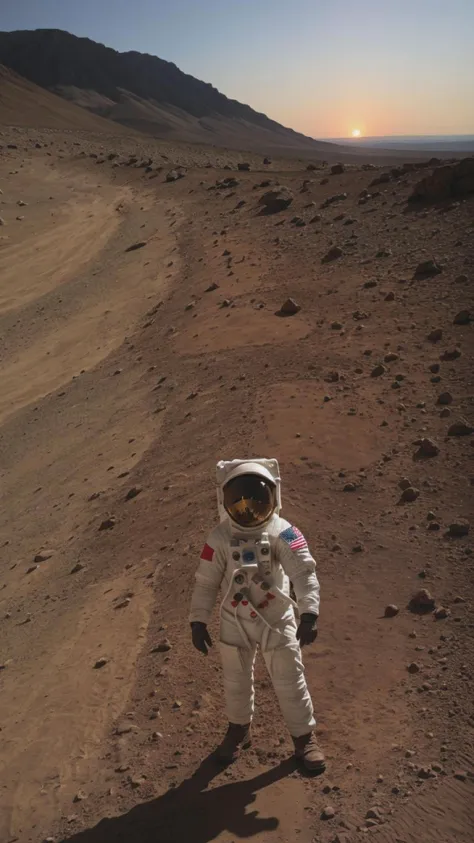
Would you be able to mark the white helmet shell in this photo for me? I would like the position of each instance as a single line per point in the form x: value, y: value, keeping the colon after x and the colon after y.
x: 228, y: 469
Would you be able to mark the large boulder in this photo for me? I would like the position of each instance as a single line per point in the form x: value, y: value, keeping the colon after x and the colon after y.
x: 446, y: 182
x: 463, y: 177
x: 276, y: 200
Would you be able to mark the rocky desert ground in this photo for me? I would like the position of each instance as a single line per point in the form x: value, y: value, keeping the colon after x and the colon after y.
x: 163, y: 306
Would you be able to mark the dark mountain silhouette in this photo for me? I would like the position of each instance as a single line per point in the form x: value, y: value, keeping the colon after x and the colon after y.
x: 143, y: 92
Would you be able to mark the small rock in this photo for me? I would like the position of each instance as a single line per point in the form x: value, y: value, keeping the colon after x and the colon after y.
x: 427, y: 448
x: 378, y: 371
x: 243, y: 166
x: 413, y: 668
x: 460, y: 775
x: 422, y: 601
x: 350, y: 487
x: 77, y: 567
x: 125, y: 728
x: 391, y: 611
x: 404, y: 483
x: 174, y: 175
x: 390, y: 296
x: 100, y: 663
x: 459, y: 528
x: 135, y: 246
x: 374, y: 814
x: 137, y: 781
x: 337, y: 326
x: 369, y: 285
x: 337, y: 169
x: 80, y: 796
x: 133, y: 493
x: 441, y: 613
x: 333, y: 253
x: 338, y: 197
x: 409, y: 495
x: 436, y: 335
x: 32, y: 568
x: 123, y: 603
x: 212, y: 287
x: 276, y: 200
x: 426, y: 773
x: 390, y: 357
x: 462, y: 318
x: 450, y: 354
x: 427, y: 269
x: 460, y: 428
x: 163, y: 647
x: 43, y: 555
x: 328, y: 813
x: 108, y: 523
x: 434, y: 367
x: 445, y: 398
x: 289, y: 308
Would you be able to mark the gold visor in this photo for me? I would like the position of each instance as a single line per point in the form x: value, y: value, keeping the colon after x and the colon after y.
x: 249, y: 500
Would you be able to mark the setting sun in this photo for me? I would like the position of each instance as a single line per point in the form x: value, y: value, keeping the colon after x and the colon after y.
x: 355, y: 133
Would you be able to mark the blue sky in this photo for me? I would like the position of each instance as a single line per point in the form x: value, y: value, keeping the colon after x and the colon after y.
x: 323, y: 67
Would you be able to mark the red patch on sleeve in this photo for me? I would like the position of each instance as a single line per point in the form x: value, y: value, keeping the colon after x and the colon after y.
x: 207, y: 553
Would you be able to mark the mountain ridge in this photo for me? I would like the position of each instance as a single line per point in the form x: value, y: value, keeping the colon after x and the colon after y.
x: 143, y: 92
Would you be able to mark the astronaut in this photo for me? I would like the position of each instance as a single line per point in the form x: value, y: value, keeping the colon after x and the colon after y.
x: 252, y: 555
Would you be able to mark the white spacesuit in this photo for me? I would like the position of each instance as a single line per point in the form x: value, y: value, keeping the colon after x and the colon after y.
x: 252, y: 555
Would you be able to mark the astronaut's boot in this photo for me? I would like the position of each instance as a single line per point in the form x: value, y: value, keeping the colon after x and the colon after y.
x: 237, y: 737
x: 310, y: 753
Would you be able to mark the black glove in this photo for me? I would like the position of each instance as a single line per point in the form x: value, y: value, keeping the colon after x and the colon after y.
x: 201, y: 637
x: 307, y: 631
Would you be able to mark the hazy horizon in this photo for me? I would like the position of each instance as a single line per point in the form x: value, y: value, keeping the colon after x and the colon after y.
x: 326, y: 69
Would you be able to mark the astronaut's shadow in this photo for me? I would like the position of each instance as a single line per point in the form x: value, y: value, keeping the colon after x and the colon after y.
x: 190, y: 812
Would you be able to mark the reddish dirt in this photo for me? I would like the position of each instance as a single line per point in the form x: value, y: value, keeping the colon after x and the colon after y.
x: 111, y: 381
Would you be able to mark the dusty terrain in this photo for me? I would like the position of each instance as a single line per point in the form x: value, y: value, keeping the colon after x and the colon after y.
x: 123, y: 380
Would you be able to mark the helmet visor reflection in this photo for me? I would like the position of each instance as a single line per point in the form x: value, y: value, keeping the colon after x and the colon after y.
x: 249, y: 500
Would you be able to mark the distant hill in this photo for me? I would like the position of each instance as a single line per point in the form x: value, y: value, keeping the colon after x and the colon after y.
x: 24, y: 104
x: 145, y: 93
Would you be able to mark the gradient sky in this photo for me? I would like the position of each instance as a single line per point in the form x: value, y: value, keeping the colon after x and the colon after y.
x: 323, y: 67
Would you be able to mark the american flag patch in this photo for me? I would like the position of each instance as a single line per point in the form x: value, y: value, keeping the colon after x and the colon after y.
x: 294, y: 538
x: 207, y: 553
